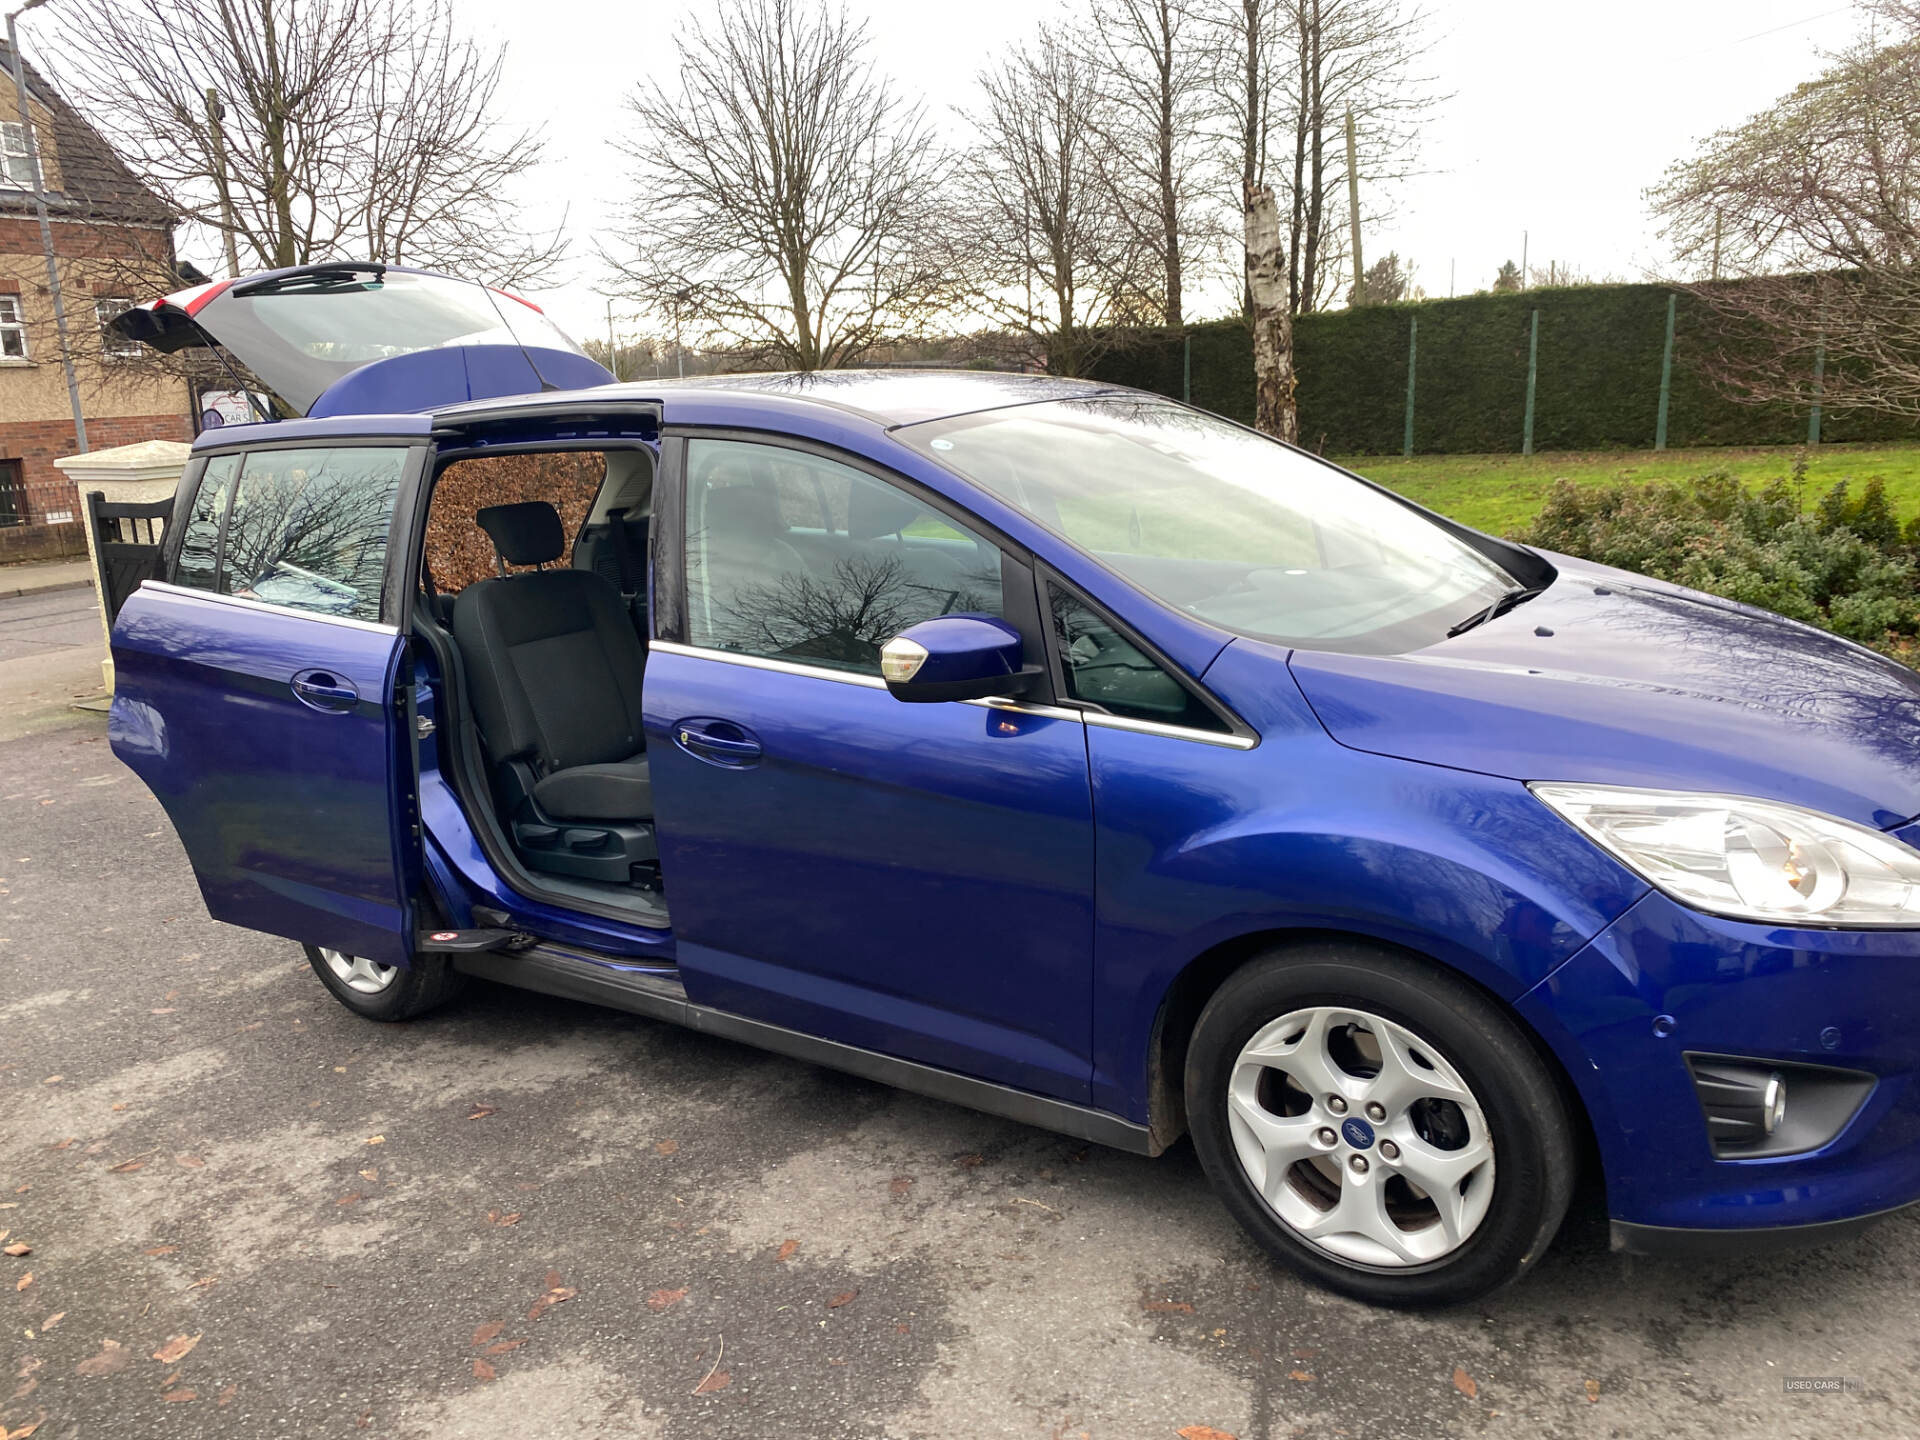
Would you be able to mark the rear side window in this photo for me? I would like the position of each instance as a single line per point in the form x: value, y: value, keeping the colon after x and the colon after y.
x: 200, y: 543
x: 306, y: 529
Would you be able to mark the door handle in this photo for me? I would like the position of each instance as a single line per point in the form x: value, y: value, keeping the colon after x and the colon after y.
x: 324, y: 691
x: 719, y: 742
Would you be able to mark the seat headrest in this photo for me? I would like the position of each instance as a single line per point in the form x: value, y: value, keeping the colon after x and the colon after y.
x: 527, y: 533
x: 876, y: 510
x: 744, y: 512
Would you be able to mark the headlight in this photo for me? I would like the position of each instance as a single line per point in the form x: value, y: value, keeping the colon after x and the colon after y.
x: 1749, y: 859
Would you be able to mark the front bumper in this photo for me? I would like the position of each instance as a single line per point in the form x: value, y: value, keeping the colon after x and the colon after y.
x: 1667, y: 1242
x: 1664, y: 980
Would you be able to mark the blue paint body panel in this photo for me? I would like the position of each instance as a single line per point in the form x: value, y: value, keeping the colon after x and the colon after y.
x: 293, y: 818
x: 910, y: 878
x: 1012, y: 894
x: 1740, y: 989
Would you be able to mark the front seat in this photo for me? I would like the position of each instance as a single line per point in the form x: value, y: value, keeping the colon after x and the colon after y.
x: 555, y: 666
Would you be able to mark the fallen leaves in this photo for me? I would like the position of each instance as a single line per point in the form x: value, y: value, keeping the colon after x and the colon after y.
x: 113, y: 1357
x: 666, y: 1147
x: 177, y: 1348
x: 25, y: 1280
x: 899, y: 1186
x: 715, y: 1378
x: 558, y: 1293
x: 175, y: 1396
x: 23, y: 1432
x: 1167, y: 1307
x: 845, y: 1297
x: 494, y: 1217
x: 372, y: 1177
x: 1201, y: 1432
x: 376, y: 1140
x: 1465, y: 1383
x: 480, y: 1112
x: 488, y: 1331
x: 785, y: 1252
x: 482, y: 1370
x: 665, y: 1299
x: 191, y: 1162
x: 126, y: 1167
x: 354, y: 1199
x: 53, y: 1080
x: 1593, y: 1390
x: 17, y: 1249
x: 52, y: 1321
x: 225, y: 1397
x: 1303, y: 1376
x: 160, y: 1250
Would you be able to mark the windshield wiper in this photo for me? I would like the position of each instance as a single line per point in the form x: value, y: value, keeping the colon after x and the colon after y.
x: 1505, y: 603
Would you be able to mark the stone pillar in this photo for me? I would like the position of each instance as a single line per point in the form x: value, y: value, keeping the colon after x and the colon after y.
x: 147, y: 471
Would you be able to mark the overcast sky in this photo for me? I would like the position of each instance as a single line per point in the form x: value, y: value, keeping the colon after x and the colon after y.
x: 1560, y: 116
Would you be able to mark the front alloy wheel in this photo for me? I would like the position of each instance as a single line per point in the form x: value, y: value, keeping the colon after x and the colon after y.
x: 357, y: 973
x: 1361, y: 1137
x: 1379, y: 1124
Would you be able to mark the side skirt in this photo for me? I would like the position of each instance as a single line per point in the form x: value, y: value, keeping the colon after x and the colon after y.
x: 659, y: 995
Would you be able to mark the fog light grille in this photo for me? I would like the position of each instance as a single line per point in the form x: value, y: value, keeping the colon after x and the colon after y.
x: 1756, y: 1108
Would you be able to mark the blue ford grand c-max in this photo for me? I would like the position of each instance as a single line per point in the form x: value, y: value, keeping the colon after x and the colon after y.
x: 1049, y: 748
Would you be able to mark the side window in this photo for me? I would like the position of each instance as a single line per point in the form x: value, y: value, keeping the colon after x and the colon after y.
x: 1104, y: 668
x: 308, y: 529
x: 200, y: 543
x: 795, y: 557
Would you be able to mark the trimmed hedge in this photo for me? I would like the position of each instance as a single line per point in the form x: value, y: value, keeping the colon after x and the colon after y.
x: 1598, y: 384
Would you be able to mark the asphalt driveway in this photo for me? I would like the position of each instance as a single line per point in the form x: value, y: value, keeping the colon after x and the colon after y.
x: 251, y: 1214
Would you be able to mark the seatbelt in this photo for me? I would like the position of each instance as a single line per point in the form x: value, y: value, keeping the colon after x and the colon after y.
x: 624, y: 558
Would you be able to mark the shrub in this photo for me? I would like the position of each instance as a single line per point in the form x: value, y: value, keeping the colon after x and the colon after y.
x: 1845, y: 564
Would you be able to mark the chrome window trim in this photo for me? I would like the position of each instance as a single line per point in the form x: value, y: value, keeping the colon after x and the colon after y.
x: 167, y: 587
x: 762, y: 662
x: 1172, y: 732
x: 845, y: 677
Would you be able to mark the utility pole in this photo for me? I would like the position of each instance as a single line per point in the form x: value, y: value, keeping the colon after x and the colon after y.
x: 1353, y: 208
x: 216, y: 112
x: 46, y: 225
x: 1523, y: 259
x: 613, y: 351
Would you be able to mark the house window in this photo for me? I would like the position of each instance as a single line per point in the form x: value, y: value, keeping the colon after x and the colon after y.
x: 114, y: 345
x: 16, y: 157
x: 13, y: 329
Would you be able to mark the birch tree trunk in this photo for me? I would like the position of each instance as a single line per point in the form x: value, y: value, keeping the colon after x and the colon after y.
x: 1273, y: 378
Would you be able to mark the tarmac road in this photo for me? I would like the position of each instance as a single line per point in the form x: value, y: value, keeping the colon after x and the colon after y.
x: 522, y: 1218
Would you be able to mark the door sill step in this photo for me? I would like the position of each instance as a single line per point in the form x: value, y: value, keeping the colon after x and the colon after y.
x: 658, y: 994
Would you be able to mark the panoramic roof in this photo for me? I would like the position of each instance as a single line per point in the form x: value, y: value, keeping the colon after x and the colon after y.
x: 897, y: 397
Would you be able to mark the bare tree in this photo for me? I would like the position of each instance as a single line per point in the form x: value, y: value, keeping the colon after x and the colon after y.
x: 299, y: 130
x: 1153, y: 75
x: 1811, y: 209
x: 1344, y: 56
x: 782, y: 196
x: 1273, y: 377
x: 1031, y: 213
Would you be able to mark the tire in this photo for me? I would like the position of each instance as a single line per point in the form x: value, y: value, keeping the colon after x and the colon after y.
x: 403, y: 991
x: 1465, y: 1102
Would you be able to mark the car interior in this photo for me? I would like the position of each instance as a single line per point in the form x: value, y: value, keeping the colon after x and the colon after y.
x: 546, y: 656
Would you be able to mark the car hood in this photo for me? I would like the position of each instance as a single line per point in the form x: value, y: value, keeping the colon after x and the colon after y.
x: 1611, y: 678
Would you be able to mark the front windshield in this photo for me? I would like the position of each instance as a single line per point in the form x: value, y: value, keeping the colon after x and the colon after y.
x: 1223, y: 523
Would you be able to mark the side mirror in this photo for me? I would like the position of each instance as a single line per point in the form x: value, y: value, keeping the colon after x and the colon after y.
x: 955, y: 657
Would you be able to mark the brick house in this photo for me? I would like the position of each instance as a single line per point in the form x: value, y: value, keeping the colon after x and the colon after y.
x: 113, y: 240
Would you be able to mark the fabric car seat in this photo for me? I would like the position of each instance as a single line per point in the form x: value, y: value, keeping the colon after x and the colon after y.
x: 555, y: 667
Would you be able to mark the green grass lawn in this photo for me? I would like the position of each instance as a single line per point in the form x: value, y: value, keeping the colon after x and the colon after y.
x: 1500, y: 493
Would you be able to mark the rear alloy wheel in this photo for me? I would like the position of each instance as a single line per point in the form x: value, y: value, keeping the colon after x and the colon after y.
x: 378, y: 991
x: 1378, y: 1124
